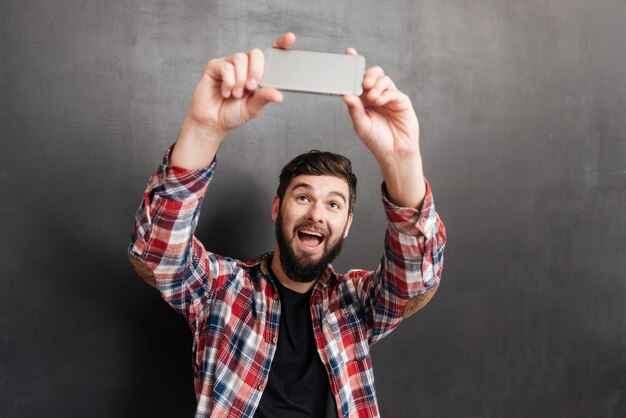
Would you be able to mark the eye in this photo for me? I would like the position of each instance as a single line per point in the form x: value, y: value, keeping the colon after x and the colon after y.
x: 302, y: 198
x: 335, y: 205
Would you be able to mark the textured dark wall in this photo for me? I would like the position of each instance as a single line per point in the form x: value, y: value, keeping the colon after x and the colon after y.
x: 523, y: 111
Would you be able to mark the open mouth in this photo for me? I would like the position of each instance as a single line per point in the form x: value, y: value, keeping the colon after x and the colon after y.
x: 311, y: 239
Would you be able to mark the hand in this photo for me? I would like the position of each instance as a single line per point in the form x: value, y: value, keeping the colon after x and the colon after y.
x: 227, y: 96
x: 383, y: 117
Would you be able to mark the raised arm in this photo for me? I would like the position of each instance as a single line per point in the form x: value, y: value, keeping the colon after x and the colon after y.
x: 225, y: 97
x: 411, y: 267
x: 384, y: 119
x: 163, y: 248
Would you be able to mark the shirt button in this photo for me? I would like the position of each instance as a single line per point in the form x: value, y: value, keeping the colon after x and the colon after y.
x: 261, y: 386
x: 274, y: 340
x: 276, y: 296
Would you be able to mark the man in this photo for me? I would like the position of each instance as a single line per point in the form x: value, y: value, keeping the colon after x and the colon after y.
x: 285, y: 335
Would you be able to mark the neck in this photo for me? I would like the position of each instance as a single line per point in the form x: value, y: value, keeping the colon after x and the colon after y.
x: 278, y: 271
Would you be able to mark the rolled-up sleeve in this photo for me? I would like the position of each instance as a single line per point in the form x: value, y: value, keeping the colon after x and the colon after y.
x: 410, y: 269
x: 163, y: 248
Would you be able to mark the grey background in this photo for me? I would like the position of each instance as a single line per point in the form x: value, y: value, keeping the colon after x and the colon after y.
x: 522, y: 108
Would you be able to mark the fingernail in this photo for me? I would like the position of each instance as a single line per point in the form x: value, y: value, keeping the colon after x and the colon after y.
x: 238, y: 92
x: 251, y: 84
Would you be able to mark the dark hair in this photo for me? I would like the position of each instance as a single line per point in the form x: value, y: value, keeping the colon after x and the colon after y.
x: 318, y: 163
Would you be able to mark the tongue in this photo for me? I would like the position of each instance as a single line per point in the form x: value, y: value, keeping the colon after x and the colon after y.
x: 309, y: 240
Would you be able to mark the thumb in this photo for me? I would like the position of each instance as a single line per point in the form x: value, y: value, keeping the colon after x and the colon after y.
x: 356, y: 110
x: 261, y: 98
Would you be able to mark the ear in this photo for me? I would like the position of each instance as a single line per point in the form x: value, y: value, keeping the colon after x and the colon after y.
x: 275, y: 207
x: 348, y: 224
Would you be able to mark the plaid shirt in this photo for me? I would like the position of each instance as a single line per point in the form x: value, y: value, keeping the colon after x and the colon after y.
x: 233, y: 307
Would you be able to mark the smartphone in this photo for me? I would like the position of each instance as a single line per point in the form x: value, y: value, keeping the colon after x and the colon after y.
x: 313, y: 72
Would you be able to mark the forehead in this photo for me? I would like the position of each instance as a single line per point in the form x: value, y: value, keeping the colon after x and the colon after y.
x: 323, y: 184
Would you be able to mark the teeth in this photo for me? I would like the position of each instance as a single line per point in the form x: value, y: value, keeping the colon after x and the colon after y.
x: 317, y: 234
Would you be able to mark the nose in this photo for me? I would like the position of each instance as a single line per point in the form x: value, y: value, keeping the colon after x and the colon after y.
x: 316, y: 213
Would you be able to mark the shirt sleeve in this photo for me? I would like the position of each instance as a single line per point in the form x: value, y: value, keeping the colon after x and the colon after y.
x: 411, y: 265
x: 163, y: 248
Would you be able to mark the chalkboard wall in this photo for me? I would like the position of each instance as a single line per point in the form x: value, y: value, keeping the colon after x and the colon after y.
x: 522, y: 105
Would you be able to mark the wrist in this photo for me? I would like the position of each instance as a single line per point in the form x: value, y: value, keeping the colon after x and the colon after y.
x: 401, y: 163
x: 193, y: 130
x: 404, y: 180
x: 196, y: 145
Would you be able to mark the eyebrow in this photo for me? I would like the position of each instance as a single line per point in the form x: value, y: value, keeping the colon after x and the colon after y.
x: 309, y: 187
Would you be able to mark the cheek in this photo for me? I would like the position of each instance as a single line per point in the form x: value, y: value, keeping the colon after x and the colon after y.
x: 338, y: 228
x: 288, y: 225
x: 292, y: 216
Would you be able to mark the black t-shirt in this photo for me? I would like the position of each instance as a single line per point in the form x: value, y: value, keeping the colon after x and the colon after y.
x: 298, y: 383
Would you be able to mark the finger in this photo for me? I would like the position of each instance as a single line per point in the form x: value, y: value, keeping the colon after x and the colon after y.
x: 380, y: 85
x: 389, y: 98
x: 350, y: 51
x: 261, y: 98
x: 371, y: 75
x: 256, y: 62
x: 284, y: 41
x: 240, y: 64
x: 355, y: 109
x: 224, y: 73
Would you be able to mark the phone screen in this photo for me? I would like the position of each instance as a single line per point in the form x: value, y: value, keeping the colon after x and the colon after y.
x: 313, y: 72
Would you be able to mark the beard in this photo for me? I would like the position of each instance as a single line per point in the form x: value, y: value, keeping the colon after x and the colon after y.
x: 302, y: 269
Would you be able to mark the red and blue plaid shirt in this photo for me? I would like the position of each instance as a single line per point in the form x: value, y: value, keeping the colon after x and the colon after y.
x: 233, y: 307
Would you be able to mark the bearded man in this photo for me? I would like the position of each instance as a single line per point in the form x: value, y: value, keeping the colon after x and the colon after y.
x: 284, y: 335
